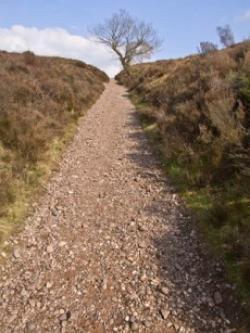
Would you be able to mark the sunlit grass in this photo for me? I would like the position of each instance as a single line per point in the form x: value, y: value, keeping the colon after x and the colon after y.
x: 27, y: 189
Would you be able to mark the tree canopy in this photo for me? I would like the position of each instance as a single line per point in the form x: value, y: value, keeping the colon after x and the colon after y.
x: 132, y: 40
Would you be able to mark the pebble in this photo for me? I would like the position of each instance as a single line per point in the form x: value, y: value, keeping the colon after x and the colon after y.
x: 142, y: 227
x: 61, y: 311
x: 165, y: 313
x: 3, y: 254
x: 30, y: 327
x: 54, y: 211
x: 164, y: 290
x: 134, y: 327
x: 49, y: 285
x: 16, y: 253
x: 142, y: 244
x: 50, y: 249
x: 218, y: 298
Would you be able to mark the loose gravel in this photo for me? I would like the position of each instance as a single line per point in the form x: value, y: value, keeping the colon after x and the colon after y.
x: 110, y: 247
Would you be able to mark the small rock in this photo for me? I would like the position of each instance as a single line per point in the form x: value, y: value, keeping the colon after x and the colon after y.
x: 50, y: 249
x: 27, y: 275
x: 53, y: 211
x: 16, y: 253
x: 38, y: 304
x: 142, y: 244
x: 3, y: 254
x: 217, y: 298
x: 143, y: 277
x: 164, y: 290
x: 164, y: 313
x: 176, y: 326
x: 104, y: 283
x: 178, y: 267
x: 24, y: 292
x: 132, y: 224
x: 142, y: 227
x: 32, y: 303
x: 193, y: 234
x: 63, y: 317
x: 49, y: 285
x: 30, y: 327
x: 134, y: 327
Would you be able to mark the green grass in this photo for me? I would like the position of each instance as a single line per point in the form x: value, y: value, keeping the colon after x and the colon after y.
x: 28, y: 188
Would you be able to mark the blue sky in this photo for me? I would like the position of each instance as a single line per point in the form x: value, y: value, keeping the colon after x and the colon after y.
x: 181, y: 23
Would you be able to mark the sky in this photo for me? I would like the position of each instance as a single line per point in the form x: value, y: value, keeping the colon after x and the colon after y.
x: 61, y: 27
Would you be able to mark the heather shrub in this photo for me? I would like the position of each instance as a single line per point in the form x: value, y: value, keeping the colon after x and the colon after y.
x: 204, y: 101
x: 201, y: 106
x: 29, y: 58
x: 40, y: 98
x: 207, y: 47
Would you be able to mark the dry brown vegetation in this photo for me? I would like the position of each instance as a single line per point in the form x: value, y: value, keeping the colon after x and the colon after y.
x: 200, y: 106
x: 41, y: 99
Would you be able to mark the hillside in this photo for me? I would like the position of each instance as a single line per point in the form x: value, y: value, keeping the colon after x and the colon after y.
x: 196, y: 110
x: 110, y: 246
x: 41, y: 101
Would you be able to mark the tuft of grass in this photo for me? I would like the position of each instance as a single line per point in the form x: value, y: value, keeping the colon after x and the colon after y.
x: 28, y: 188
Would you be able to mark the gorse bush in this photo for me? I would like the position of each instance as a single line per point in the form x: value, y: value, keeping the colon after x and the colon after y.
x: 40, y: 98
x: 201, y: 106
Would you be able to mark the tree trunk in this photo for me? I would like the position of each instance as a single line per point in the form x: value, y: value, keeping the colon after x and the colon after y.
x: 126, y: 66
x: 124, y: 61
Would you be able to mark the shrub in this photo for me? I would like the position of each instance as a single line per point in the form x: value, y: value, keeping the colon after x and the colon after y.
x: 207, y: 47
x: 37, y: 106
x: 201, y: 107
x: 29, y: 58
x: 226, y: 36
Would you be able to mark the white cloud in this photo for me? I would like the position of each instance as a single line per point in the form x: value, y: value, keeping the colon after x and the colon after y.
x: 245, y: 16
x: 58, y: 42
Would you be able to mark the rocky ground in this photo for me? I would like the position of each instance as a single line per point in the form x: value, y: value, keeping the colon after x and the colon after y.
x: 110, y: 247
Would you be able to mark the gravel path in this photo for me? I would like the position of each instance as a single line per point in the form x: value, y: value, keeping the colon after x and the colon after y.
x: 110, y: 247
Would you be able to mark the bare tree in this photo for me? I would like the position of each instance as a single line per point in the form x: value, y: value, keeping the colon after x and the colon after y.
x: 207, y: 47
x: 226, y: 36
x: 130, y: 39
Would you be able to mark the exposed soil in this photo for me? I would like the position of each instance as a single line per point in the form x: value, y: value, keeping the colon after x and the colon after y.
x: 110, y: 247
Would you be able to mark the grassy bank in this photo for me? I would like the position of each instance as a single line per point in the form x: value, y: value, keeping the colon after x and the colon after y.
x: 196, y: 111
x: 41, y: 100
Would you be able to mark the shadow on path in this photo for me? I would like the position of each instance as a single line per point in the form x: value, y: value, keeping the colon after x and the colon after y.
x: 195, y: 291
